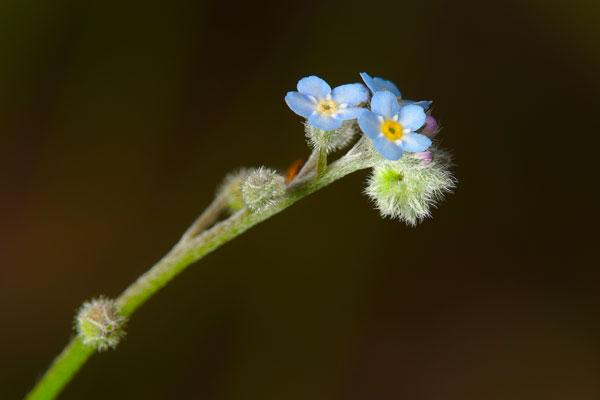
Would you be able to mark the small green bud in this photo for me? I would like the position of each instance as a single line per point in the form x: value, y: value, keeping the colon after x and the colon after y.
x: 331, y: 140
x: 99, y: 324
x: 407, y: 189
x: 262, y: 189
x: 231, y: 189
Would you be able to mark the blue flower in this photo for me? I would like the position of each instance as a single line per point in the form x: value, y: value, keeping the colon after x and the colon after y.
x: 392, y: 127
x: 377, y: 84
x: 325, y: 108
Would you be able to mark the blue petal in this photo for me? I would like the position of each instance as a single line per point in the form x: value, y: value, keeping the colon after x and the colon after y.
x: 314, y: 86
x: 415, y: 142
x: 368, y: 81
x: 387, y: 149
x: 351, y: 94
x: 379, y: 84
x: 382, y: 84
x: 369, y: 123
x: 300, y: 104
x: 412, y: 117
x: 385, y: 103
x: 350, y: 113
x: 324, y: 122
x: 424, y: 103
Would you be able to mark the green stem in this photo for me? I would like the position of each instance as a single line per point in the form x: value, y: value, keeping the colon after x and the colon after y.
x: 186, y: 252
x: 208, y: 216
x: 64, y: 367
x: 321, y: 161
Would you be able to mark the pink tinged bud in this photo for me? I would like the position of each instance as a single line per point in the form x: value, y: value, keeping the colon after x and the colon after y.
x: 431, y: 127
x: 424, y: 156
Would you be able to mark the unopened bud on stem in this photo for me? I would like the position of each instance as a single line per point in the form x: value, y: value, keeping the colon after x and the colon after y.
x: 231, y: 189
x: 407, y: 189
x: 99, y: 324
x: 330, y: 141
x: 431, y: 127
x: 262, y: 189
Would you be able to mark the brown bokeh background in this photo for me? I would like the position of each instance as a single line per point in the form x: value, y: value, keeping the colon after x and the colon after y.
x: 118, y: 119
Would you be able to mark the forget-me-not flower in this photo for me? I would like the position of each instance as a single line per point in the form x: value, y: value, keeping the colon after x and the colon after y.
x: 392, y: 127
x: 324, y: 108
x: 377, y: 84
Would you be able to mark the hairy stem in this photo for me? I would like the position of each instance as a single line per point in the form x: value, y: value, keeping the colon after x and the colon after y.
x: 207, y: 218
x: 193, y: 246
x: 322, y: 162
x: 309, y: 166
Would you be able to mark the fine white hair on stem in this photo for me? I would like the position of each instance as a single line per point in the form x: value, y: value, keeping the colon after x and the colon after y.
x: 330, y: 141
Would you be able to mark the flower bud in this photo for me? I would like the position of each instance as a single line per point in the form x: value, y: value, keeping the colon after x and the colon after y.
x: 231, y: 189
x: 431, y: 127
x: 99, y: 324
x: 406, y: 189
x: 331, y: 140
x: 262, y: 189
x: 425, y: 157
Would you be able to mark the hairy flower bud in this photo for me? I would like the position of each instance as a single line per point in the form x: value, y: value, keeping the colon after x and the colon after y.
x: 425, y: 156
x: 331, y: 140
x: 231, y: 189
x: 406, y: 189
x: 431, y: 127
x: 262, y: 189
x: 99, y: 324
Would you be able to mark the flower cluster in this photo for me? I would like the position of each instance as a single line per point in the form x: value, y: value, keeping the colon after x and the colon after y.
x: 410, y: 175
x: 391, y: 122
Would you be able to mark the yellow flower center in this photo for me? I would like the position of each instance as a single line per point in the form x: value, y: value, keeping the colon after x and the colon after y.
x: 392, y: 130
x: 327, y: 107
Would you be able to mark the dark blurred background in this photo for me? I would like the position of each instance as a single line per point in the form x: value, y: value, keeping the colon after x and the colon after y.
x: 118, y: 119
